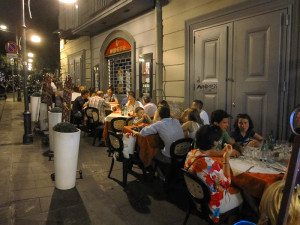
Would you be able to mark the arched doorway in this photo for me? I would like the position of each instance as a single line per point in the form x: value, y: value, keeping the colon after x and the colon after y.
x: 117, y: 60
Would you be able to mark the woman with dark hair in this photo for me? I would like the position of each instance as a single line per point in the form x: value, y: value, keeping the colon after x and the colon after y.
x: 110, y: 97
x: 215, y: 175
x: 193, y: 123
x: 243, y: 132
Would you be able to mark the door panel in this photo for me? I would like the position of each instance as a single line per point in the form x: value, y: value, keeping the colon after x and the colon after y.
x: 257, y: 70
x: 210, y: 66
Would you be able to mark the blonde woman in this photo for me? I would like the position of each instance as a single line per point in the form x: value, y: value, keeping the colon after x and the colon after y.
x: 270, y: 205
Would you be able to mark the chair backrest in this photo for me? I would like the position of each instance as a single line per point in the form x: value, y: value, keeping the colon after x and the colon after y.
x: 198, y: 189
x: 180, y: 148
x: 117, y: 124
x: 92, y: 114
x: 129, y: 121
x: 116, y: 145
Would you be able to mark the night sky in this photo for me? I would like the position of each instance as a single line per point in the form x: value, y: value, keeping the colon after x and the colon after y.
x: 44, y: 22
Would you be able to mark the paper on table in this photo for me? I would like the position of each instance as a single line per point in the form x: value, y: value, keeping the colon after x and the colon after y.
x: 259, y: 169
x: 239, y: 166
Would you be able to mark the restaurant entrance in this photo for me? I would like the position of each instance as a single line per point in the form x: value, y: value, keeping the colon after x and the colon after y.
x: 118, y: 56
x: 238, y: 66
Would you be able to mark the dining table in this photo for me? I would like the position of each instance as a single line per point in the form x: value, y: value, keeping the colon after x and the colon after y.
x: 253, y: 175
x: 107, y: 122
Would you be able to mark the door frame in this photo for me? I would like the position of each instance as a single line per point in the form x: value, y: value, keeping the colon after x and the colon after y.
x: 241, y: 11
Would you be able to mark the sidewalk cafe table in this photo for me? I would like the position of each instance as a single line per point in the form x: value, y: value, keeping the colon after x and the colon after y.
x: 148, y: 145
x: 255, y: 178
x: 107, y: 124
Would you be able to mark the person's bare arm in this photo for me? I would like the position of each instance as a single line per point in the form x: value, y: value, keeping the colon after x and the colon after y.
x: 226, y: 156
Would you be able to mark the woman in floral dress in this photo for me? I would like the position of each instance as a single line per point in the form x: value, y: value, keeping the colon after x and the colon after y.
x: 216, y: 176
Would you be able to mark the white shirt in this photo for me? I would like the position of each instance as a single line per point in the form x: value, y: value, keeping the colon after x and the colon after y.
x: 53, y: 86
x: 150, y: 109
x: 204, y: 117
x: 131, y: 108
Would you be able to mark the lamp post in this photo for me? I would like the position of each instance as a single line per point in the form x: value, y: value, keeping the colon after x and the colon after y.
x: 28, y: 137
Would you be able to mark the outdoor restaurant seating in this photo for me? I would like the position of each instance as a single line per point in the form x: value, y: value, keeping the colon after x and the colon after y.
x: 117, y: 124
x: 93, y: 126
x: 178, y: 151
x: 129, y: 121
x: 199, y: 199
x: 116, y: 145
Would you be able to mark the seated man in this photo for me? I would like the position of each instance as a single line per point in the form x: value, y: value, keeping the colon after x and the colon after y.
x: 169, y: 131
x: 220, y: 118
x: 78, y: 106
x: 149, y: 107
x: 198, y: 105
x: 99, y: 103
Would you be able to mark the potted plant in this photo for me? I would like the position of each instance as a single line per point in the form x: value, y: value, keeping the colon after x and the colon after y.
x: 35, y: 100
x: 54, y: 117
x: 66, y: 148
x: 43, y: 115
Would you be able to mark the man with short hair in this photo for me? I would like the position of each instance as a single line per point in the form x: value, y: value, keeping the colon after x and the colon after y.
x: 99, y: 103
x: 149, y: 107
x: 198, y: 105
x: 78, y: 106
x: 169, y: 131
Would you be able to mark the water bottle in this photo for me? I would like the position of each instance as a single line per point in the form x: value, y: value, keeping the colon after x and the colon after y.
x: 264, y: 150
x: 125, y: 110
x: 271, y: 141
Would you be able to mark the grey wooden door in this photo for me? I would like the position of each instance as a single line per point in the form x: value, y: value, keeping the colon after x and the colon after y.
x: 210, y: 65
x: 256, y: 69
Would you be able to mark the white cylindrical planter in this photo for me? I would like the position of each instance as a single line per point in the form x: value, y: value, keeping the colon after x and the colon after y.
x: 54, y: 118
x: 35, y: 108
x: 43, y: 116
x: 66, y: 148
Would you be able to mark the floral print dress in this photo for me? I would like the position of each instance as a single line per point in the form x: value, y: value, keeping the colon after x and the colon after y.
x: 212, y: 174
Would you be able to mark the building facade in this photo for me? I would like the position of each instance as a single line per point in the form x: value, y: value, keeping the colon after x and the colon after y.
x: 241, y: 55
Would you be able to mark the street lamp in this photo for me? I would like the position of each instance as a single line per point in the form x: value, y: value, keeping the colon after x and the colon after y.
x: 3, y: 27
x: 30, y: 54
x: 35, y: 38
x: 68, y: 1
x: 28, y: 137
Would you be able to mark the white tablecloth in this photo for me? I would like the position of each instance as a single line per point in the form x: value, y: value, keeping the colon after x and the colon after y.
x: 114, y: 115
x: 240, y: 165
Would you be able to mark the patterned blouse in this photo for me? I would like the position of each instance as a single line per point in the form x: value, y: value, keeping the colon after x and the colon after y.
x: 211, y: 173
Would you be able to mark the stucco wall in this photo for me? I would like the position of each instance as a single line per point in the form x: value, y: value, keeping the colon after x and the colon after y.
x: 72, y: 47
x: 142, y: 29
x: 174, y: 16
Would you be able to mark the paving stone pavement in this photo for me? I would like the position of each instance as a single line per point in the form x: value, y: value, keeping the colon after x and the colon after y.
x: 28, y: 196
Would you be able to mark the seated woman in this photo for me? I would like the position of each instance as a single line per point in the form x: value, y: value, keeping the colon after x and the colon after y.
x: 217, y: 177
x: 193, y: 123
x: 243, y: 133
x: 271, y: 201
x: 132, y: 103
x: 220, y: 118
x: 142, y: 117
x: 110, y: 97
